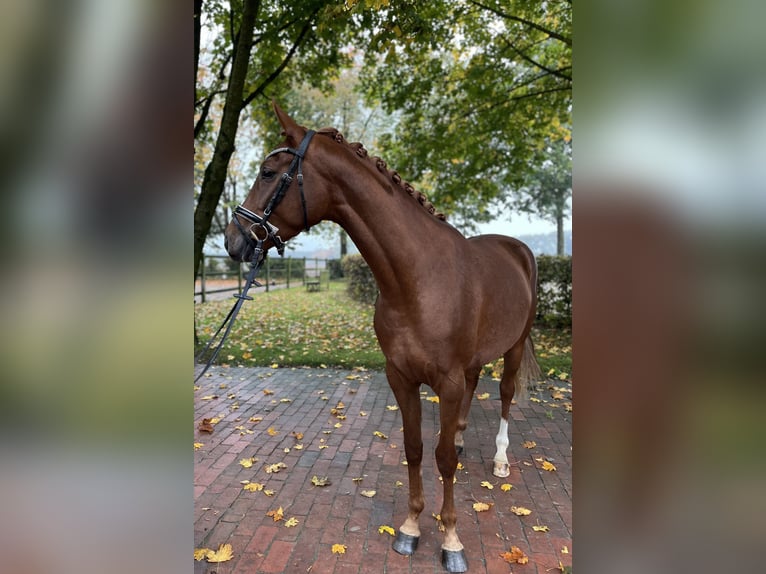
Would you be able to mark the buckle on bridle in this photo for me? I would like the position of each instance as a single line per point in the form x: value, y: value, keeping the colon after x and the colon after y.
x: 261, y: 223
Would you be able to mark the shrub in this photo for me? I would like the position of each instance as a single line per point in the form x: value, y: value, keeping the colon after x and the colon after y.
x: 361, y: 282
x: 554, y: 291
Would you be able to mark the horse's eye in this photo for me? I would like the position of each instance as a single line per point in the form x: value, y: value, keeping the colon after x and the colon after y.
x: 267, y: 174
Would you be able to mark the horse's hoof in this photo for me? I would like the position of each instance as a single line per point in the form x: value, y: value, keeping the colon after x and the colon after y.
x: 454, y: 560
x: 502, y: 469
x: 405, y: 544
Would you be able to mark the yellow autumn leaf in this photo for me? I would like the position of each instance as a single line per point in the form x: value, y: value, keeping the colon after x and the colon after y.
x: 563, y: 376
x: 487, y: 484
x: 362, y: 413
x: 460, y: 466
x: 274, y: 365
x: 223, y: 554
x: 530, y: 444
x: 248, y: 462
x: 548, y: 466
x: 200, y: 553
x: 368, y: 493
x: 277, y: 514
x: 386, y: 529
x: 565, y: 550
x: 380, y: 434
x: 540, y: 528
x: 506, y: 487
x: 268, y: 392
x: 296, y: 435
x: 520, y: 511
x: 255, y: 419
x: 338, y: 425
x: 298, y: 447
x: 269, y: 492
x: 291, y: 522
x: 340, y: 405
x: 253, y: 486
x: 550, y: 372
x: 339, y: 548
x: 481, y: 506
x: 515, y: 556
x: 433, y: 399
x: 482, y: 397
x: 198, y: 445
x: 272, y: 431
x: 276, y: 467
x: 320, y: 481
x: 285, y: 400
x: 392, y: 407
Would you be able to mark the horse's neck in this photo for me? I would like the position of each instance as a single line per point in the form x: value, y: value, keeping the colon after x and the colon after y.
x: 397, y: 237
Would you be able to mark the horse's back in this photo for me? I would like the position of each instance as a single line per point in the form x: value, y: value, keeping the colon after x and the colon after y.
x: 503, y: 252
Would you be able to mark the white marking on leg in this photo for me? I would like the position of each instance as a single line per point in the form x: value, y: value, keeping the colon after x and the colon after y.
x: 501, y: 457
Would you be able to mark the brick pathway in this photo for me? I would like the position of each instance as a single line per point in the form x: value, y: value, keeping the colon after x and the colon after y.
x: 338, y: 513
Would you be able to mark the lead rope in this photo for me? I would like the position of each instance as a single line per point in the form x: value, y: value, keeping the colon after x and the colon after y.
x: 255, y: 265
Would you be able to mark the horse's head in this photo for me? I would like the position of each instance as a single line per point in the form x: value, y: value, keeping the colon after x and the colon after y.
x: 285, y: 199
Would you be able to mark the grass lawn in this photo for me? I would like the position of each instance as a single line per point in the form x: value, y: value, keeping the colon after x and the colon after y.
x: 291, y: 327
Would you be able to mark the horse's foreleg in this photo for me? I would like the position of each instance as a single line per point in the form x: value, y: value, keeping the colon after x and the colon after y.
x: 512, y: 361
x: 408, y: 398
x: 453, y: 557
x: 471, y: 380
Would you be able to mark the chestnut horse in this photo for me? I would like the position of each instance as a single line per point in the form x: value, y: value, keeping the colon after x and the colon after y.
x: 447, y: 305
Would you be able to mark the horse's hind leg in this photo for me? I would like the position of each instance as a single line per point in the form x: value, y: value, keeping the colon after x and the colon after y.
x: 471, y: 380
x: 408, y: 398
x: 512, y: 361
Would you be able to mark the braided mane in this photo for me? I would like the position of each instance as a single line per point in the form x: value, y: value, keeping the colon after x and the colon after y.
x: 382, y: 167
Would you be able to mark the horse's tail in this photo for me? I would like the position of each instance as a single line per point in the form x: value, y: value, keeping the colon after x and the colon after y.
x: 529, y: 373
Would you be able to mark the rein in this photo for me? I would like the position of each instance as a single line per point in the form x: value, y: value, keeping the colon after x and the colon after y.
x: 256, y: 235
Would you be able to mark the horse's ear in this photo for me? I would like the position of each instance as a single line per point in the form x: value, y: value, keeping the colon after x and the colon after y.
x: 289, y: 127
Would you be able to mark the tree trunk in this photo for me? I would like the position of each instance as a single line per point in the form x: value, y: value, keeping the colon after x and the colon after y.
x: 560, y: 234
x: 343, y: 243
x: 215, y: 173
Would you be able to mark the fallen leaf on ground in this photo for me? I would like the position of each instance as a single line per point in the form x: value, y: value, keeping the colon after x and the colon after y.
x: 520, y: 511
x: 320, y: 481
x: 223, y: 554
x: 387, y: 529
x: 548, y: 466
x: 515, y: 556
x: 205, y: 426
x: 392, y: 407
x: 530, y: 444
x: 200, y: 553
x: 540, y: 528
x: 208, y: 397
x: 248, y: 462
x: 276, y: 467
x: 291, y: 522
x: 339, y: 548
x: 380, y: 434
x: 272, y: 431
x: 506, y: 487
x: 255, y: 419
x: 268, y: 392
x: 253, y: 486
x: 368, y: 493
x: 481, y: 506
x: 482, y: 397
x: 277, y: 514
x: 433, y: 399
x: 487, y: 484
x: 198, y: 445
x: 296, y: 435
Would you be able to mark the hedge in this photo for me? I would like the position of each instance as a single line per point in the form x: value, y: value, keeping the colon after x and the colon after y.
x: 554, y: 290
x: 554, y: 287
x: 361, y: 282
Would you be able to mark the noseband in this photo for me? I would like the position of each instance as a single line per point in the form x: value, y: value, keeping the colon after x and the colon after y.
x: 256, y: 235
x: 260, y: 228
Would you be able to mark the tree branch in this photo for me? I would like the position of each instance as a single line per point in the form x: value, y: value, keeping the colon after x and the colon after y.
x: 558, y: 72
x: 275, y: 74
x: 529, y: 23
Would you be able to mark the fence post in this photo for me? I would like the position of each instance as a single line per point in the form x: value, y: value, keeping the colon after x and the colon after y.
x: 289, y: 270
x: 202, y: 278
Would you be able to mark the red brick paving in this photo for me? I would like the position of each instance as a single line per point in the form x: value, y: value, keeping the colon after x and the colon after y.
x: 338, y: 513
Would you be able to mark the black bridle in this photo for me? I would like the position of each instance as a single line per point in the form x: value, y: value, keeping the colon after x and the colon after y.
x: 256, y: 235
